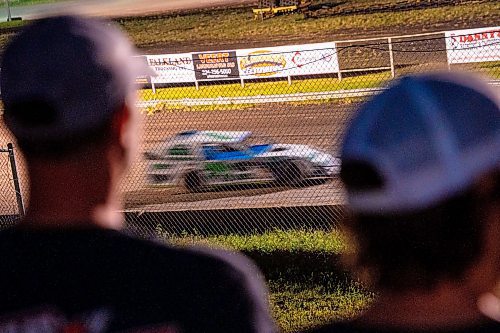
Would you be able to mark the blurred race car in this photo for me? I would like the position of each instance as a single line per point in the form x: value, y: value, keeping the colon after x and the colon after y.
x: 197, y: 159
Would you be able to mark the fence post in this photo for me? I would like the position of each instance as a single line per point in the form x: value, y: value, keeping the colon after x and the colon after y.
x: 17, y: 187
x: 197, y: 85
x: 242, y: 82
x: 9, y: 14
x: 340, y: 75
x: 391, y: 57
x: 289, y: 80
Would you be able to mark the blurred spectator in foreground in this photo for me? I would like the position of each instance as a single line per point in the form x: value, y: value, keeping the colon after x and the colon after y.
x: 421, y: 164
x: 68, y: 86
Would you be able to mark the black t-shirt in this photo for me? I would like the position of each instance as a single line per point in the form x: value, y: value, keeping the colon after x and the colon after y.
x: 349, y: 327
x: 104, y: 281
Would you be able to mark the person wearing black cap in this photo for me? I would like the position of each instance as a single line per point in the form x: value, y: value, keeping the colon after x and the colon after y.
x: 421, y: 165
x: 68, y: 88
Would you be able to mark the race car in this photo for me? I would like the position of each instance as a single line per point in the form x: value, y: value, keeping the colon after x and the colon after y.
x: 197, y: 159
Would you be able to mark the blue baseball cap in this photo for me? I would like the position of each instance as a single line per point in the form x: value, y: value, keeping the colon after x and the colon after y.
x: 83, y: 68
x: 427, y: 137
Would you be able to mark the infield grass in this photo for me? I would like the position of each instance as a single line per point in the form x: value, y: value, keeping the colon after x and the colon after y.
x: 268, y: 88
x: 213, y: 29
x: 301, y: 296
x: 236, y: 26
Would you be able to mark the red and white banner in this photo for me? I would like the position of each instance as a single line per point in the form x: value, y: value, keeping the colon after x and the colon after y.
x: 473, y: 45
x: 283, y: 61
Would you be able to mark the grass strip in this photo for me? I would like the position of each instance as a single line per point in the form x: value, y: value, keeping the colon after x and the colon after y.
x: 277, y: 240
x: 269, y: 88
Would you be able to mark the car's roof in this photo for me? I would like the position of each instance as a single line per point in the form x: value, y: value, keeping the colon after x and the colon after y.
x: 194, y: 137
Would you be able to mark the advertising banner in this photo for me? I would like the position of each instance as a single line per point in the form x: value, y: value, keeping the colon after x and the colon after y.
x: 286, y: 61
x: 220, y: 65
x: 172, y: 68
x: 473, y: 45
x: 143, y: 79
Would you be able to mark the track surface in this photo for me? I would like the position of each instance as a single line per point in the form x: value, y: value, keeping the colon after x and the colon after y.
x: 319, y: 125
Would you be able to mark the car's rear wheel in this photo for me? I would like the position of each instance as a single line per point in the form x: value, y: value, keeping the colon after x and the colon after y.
x: 289, y: 173
x: 193, y: 181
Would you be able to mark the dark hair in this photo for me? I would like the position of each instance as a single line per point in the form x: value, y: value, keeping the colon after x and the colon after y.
x: 418, y: 249
x: 35, y: 113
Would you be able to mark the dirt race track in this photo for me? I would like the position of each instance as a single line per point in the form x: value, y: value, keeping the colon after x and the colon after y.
x: 318, y: 125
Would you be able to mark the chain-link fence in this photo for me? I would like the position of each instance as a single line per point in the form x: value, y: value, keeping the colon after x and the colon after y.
x: 247, y: 140
x: 11, y: 199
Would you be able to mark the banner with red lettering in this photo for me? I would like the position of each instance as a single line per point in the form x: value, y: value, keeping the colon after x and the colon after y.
x: 220, y: 65
x: 473, y: 45
x: 283, y: 61
x: 172, y: 68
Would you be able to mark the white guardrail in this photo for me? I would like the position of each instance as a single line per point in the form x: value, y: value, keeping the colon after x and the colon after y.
x: 259, y: 99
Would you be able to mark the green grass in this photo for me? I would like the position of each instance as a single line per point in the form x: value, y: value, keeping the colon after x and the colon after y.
x: 255, y: 89
x: 490, y: 69
x: 268, y: 88
x: 223, y: 27
x: 30, y: 2
x: 303, y: 293
x: 276, y: 240
x: 297, y: 306
x: 12, y: 24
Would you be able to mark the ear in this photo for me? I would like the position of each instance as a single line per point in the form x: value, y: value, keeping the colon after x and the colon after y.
x: 124, y: 139
x: 119, y: 123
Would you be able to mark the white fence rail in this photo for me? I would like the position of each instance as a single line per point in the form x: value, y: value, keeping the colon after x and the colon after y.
x: 260, y: 99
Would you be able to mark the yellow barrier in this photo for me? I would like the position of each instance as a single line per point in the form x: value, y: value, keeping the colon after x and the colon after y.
x: 271, y: 11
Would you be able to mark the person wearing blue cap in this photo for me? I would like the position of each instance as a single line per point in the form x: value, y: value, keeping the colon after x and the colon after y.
x: 421, y: 165
x: 69, y: 95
